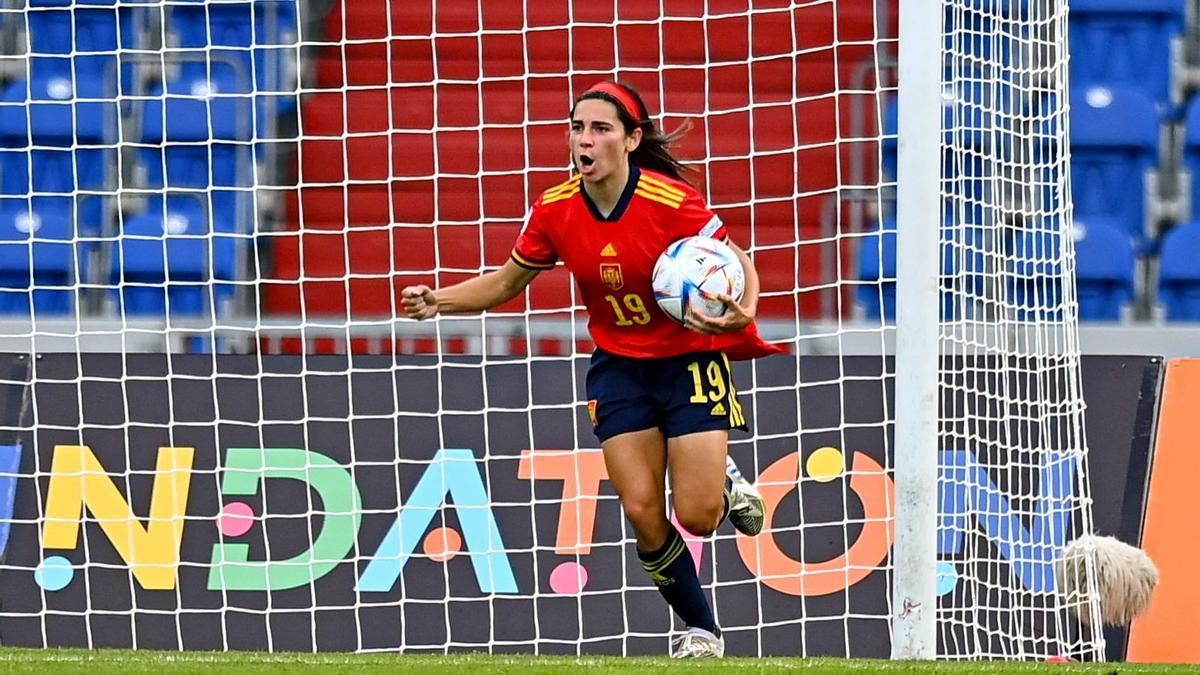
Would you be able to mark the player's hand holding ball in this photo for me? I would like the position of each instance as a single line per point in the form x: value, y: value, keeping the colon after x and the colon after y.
x: 698, y: 281
x: 419, y: 302
x: 735, y: 318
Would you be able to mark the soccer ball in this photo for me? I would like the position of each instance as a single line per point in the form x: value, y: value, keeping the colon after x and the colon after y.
x: 692, y: 273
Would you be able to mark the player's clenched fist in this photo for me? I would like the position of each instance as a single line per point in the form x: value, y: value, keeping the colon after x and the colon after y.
x: 419, y: 302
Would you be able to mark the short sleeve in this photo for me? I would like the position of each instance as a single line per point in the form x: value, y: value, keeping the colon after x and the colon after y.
x: 695, y: 218
x: 534, y: 250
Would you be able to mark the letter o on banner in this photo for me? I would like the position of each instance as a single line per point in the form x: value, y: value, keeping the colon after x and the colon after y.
x: 781, y: 572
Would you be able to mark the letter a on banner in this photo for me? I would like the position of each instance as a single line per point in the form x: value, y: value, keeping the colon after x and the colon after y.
x: 454, y: 473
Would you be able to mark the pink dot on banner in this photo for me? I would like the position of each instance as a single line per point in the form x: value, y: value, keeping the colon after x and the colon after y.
x: 442, y: 544
x: 236, y: 519
x: 695, y: 544
x: 568, y: 578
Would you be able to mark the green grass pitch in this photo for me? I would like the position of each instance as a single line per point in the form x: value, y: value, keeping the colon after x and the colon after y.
x: 100, y: 662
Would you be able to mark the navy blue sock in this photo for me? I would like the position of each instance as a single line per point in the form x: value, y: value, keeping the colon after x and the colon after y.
x: 673, y: 571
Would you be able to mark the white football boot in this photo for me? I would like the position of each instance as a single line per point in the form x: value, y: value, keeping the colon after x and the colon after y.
x: 745, y: 503
x: 697, y: 643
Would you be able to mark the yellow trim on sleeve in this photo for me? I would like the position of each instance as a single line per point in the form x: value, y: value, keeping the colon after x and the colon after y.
x: 529, y: 264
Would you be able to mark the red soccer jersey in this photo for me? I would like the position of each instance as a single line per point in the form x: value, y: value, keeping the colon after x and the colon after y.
x: 613, y: 258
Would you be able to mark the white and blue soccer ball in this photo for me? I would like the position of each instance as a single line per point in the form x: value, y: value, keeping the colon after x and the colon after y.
x: 692, y: 273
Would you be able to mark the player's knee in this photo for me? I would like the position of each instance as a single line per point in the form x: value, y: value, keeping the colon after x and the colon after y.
x: 643, y: 512
x: 699, y: 519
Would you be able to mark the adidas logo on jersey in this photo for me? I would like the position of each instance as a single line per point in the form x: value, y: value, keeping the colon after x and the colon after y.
x: 609, y: 250
x: 719, y: 409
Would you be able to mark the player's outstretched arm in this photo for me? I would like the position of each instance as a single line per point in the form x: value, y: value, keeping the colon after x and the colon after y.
x: 473, y: 295
x: 739, y: 314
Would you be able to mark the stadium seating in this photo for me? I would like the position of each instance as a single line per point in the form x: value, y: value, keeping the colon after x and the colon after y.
x: 1179, y: 273
x: 206, y: 134
x: 406, y: 120
x: 1124, y: 43
x: 963, y: 268
x: 80, y: 41
x: 877, y: 272
x: 36, y: 248
x: 48, y: 145
x: 90, y: 33
x: 247, y: 38
x: 199, y: 138
x: 971, y: 28
x: 974, y: 117
x: 167, y: 256
x: 1034, y: 274
x: 1104, y: 269
x: 1191, y: 151
x: 1114, y: 143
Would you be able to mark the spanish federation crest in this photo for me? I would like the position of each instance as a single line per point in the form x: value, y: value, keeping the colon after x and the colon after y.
x: 610, y: 276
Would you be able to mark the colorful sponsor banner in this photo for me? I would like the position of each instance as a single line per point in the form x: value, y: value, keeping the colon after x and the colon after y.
x: 339, y: 504
x: 1164, y: 634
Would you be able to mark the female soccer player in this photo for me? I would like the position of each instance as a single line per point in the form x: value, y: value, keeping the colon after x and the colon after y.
x: 661, y: 395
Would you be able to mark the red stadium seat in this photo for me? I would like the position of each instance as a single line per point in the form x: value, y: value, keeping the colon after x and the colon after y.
x: 355, y: 65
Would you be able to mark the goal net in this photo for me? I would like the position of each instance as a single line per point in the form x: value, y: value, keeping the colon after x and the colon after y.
x: 219, y: 435
x: 1013, y: 448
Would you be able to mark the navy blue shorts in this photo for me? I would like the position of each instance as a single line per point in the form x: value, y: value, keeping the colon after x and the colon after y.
x: 679, y: 394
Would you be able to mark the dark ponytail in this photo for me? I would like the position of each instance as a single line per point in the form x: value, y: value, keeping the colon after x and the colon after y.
x: 654, y: 152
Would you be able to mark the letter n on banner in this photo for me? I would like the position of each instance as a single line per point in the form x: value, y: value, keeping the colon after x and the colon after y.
x: 78, y: 480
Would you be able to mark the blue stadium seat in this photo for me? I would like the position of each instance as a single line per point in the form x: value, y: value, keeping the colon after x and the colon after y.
x: 975, y: 117
x: 963, y: 267
x: 255, y: 42
x: 184, y: 275
x: 94, y: 30
x: 1114, y: 142
x: 1124, y: 43
x: 1034, y: 271
x: 88, y: 3
x: 877, y: 272
x: 889, y: 152
x: 980, y: 34
x: 207, y: 135
x: 40, y: 113
x: 1179, y: 273
x: 56, y: 119
x: 1104, y: 269
x: 1191, y: 150
x: 36, y: 248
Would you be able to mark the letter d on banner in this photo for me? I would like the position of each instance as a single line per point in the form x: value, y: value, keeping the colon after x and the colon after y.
x: 245, y: 468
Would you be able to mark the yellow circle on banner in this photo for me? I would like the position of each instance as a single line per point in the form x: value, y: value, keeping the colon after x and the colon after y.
x: 825, y: 464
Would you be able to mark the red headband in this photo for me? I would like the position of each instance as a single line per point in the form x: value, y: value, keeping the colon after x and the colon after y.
x: 623, y: 97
